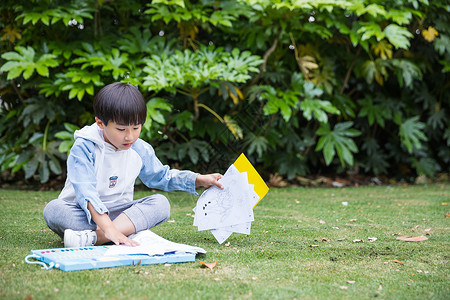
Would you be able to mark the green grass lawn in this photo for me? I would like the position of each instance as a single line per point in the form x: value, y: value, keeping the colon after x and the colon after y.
x: 277, y: 260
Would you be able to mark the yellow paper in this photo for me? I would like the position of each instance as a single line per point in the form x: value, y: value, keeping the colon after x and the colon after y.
x: 243, y: 165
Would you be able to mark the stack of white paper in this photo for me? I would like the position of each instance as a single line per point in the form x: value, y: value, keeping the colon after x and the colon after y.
x: 152, y: 244
x: 227, y: 210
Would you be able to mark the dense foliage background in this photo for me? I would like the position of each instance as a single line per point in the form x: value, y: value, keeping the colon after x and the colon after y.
x: 302, y: 87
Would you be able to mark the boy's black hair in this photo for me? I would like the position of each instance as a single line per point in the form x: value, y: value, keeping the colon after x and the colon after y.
x: 121, y: 103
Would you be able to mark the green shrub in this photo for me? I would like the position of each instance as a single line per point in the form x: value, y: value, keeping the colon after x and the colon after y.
x: 302, y: 87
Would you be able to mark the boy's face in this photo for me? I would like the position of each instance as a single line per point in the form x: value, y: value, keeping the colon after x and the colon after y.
x: 120, y: 136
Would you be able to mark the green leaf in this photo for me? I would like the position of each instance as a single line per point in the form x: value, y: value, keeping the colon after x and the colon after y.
x: 55, y: 166
x: 318, y: 29
x: 44, y: 171
x: 25, y: 61
x: 373, y: 112
x: 31, y: 167
x: 370, y: 29
x: 375, y: 70
x: 234, y: 127
x: 65, y: 146
x: 170, y: 2
x: 311, y: 91
x: 140, y: 41
x: 258, y: 144
x: 291, y: 164
x: 442, y: 44
x: 398, y: 36
x: 337, y: 141
x: 42, y: 70
x: 400, y: 16
x: 275, y: 104
x: 64, y: 135
x: 375, y: 10
x: 184, y: 120
x: 407, y: 72
x: 411, y: 133
x: 318, y: 108
x: 154, y: 107
x: 426, y: 166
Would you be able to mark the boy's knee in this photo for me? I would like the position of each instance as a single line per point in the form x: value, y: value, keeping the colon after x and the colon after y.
x: 160, y: 207
x: 50, y: 211
x: 163, y: 206
x: 149, y: 212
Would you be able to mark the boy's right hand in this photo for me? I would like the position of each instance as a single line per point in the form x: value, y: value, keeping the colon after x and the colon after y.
x: 109, y: 230
x: 119, y: 238
x: 208, y: 180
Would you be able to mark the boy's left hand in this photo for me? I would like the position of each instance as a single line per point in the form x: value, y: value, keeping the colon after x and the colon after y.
x: 208, y: 180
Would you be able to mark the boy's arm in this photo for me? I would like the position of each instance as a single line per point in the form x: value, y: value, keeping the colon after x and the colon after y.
x: 107, y: 226
x: 81, y: 173
x: 156, y: 175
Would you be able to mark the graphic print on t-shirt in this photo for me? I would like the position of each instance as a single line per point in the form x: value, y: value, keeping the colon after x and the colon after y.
x: 112, y: 181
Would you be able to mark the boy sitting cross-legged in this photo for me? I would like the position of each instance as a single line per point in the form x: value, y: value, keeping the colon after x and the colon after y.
x: 96, y: 205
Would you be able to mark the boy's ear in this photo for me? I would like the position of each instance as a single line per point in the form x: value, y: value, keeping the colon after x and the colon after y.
x: 100, y: 123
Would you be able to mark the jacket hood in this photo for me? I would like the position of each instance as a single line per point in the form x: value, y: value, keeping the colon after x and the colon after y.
x: 91, y: 133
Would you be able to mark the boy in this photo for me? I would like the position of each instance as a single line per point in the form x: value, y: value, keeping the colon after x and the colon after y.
x: 96, y: 204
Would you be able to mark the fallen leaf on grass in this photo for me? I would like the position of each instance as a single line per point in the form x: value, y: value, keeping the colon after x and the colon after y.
x: 352, y: 220
x: 372, y: 239
x: 351, y: 281
x: 357, y: 241
x: 447, y: 215
x: 412, y: 238
x: 312, y: 246
x: 444, y: 203
x: 397, y: 261
x: 343, y: 287
x: 208, y: 265
x: 324, y: 239
x: 322, y: 222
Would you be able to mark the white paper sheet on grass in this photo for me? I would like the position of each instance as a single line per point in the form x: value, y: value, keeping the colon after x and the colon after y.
x: 152, y: 244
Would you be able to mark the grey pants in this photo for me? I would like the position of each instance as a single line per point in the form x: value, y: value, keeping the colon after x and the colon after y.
x: 144, y: 213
